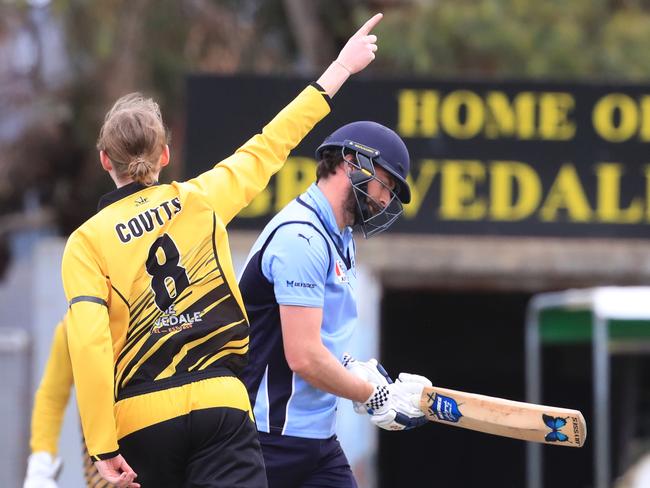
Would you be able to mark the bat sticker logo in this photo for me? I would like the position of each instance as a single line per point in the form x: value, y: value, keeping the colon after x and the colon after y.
x: 445, y: 408
x: 555, y: 424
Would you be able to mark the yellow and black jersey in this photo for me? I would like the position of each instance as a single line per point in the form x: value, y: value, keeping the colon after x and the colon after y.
x: 154, y: 302
x: 50, y: 403
x: 91, y: 475
x: 52, y: 395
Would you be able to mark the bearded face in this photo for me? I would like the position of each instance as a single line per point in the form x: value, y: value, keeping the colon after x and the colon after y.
x: 350, y: 208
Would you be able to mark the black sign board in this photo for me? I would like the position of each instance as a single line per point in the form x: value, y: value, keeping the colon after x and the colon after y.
x: 507, y: 158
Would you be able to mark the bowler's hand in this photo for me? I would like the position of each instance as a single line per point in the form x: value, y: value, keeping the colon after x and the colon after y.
x: 117, y: 472
x: 360, y: 49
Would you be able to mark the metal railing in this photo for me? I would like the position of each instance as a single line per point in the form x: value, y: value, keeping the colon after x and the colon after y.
x: 15, y: 363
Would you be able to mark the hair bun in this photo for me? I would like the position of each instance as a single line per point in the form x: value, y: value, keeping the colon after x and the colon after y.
x: 139, y: 160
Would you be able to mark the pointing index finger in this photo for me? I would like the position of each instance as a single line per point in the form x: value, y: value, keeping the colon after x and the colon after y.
x: 369, y: 25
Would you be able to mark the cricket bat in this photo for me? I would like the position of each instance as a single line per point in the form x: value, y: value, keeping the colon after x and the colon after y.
x: 507, y: 418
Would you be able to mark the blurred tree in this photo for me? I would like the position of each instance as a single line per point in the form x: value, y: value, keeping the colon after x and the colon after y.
x: 115, y: 46
x: 48, y: 130
x: 556, y: 39
x: 315, y: 46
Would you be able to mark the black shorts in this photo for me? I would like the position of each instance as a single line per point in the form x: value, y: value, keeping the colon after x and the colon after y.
x: 297, y: 462
x: 208, y: 448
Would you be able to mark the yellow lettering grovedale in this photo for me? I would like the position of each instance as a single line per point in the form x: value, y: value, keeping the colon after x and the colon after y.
x: 259, y: 206
x: 458, y: 192
x: 609, y: 196
x: 420, y: 186
x: 566, y: 193
x: 505, y: 176
x: 293, y: 179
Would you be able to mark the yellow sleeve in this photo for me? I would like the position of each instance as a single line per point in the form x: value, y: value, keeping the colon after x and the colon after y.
x: 233, y: 183
x: 90, y: 344
x: 52, y: 396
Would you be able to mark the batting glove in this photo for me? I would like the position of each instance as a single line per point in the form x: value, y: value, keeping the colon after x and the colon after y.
x: 396, y: 406
x: 370, y: 371
x: 42, y: 470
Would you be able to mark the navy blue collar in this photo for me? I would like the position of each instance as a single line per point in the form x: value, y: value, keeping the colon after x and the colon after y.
x: 344, y: 256
x: 324, y: 209
x: 122, y: 192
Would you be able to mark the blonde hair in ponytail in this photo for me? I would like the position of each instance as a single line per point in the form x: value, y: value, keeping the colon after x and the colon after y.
x: 142, y: 171
x: 133, y: 137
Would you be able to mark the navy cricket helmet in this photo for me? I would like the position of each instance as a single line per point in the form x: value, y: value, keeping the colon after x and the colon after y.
x: 389, y: 149
x: 371, y: 144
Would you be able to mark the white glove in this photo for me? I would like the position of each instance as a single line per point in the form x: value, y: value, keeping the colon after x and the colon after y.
x: 42, y: 470
x: 396, y: 406
x: 370, y: 371
x: 414, y: 378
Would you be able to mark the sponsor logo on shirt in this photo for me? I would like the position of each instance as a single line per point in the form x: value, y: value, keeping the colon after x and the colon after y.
x: 305, y: 238
x: 300, y: 284
x: 171, y: 321
x: 339, y: 272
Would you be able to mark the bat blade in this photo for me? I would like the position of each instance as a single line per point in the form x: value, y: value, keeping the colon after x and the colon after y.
x: 507, y: 418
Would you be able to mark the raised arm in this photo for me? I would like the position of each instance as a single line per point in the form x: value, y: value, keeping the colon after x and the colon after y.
x: 357, y: 53
x: 233, y: 183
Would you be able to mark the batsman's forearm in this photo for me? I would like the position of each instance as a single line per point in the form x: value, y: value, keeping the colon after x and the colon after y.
x: 321, y: 370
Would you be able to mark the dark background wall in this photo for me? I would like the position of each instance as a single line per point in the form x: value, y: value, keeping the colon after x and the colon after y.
x: 474, y: 341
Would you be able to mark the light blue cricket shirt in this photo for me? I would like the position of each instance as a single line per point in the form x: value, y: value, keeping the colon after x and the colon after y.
x: 301, y: 258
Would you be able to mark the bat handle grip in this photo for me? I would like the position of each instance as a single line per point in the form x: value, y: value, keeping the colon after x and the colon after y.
x: 384, y: 373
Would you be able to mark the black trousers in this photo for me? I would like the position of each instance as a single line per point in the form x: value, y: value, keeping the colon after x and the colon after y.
x: 297, y: 462
x: 208, y: 448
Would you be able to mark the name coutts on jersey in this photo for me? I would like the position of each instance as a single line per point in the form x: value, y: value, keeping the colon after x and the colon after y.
x: 183, y: 319
x: 150, y: 282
